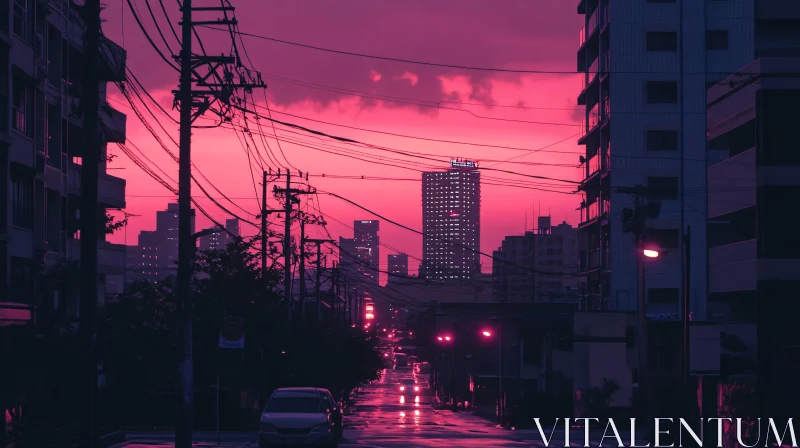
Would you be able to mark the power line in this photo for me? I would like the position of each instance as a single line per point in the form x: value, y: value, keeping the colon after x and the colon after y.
x: 456, y: 66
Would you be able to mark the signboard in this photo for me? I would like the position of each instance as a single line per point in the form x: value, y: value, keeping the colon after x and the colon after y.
x: 458, y: 163
x: 231, y: 336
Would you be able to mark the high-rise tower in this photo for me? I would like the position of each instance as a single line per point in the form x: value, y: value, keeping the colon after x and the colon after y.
x: 451, y: 222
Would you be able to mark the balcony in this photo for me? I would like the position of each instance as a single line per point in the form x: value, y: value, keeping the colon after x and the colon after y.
x: 114, y: 124
x: 589, y: 260
x: 590, y: 77
x: 593, y: 165
x: 588, y: 30
x: 112, y: 61
x: 592, y: 212
x: 110, y: 257
x: 110, y: 189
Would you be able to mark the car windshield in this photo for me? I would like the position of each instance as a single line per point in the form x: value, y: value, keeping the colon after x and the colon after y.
x: 408, y: 382
x: 300, y: 405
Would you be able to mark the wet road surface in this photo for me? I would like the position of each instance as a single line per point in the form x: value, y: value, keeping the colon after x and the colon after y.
x: 385, y: 417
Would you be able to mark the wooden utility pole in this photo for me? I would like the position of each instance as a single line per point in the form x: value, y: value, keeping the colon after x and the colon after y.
x: 264, y: 238
x: 90, y: 217
x: 292, y: 197
x: 287, y: 246
x: 635, y: 221
x: 302, y: 269
x: 192, y: 103
x: 319, y: 244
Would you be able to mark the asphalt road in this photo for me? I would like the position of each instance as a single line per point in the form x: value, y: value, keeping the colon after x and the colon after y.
x: 384, y: 417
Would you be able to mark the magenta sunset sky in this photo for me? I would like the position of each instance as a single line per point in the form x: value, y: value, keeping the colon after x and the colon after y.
x: 539, y: 35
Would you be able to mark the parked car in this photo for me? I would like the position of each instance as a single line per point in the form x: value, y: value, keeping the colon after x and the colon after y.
x: 300, y: 416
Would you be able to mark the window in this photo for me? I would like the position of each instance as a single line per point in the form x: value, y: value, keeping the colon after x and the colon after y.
x: 659, y: 140
x: 667, y: 296
x: 21, y: 280
x: 662, y: 41
x: 22, y: 106
x: 662, y: 188
x: 23, y: 19
x: 663, y: 238
x: 662, y: 92
x: 21, y: 199
x: 717, y: 40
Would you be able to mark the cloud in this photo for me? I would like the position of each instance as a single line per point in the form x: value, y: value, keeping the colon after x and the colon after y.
x: 375, y: 76
x: 412, y: 78
x: 521, y: 34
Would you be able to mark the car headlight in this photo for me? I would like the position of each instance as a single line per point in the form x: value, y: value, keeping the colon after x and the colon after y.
x: 266, y: 427
x: 416, y: 389
x: 402, y: 387
x: 321, y: 428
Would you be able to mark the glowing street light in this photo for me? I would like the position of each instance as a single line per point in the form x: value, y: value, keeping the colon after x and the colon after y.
x: 650, y: 253
x: 486, y: 333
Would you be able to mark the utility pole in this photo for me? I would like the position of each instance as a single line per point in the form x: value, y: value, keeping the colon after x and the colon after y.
x: 90, y: 217
x: 635, y: 221
x: 287, y: 248
x: 319, y: 244
x: 192, y: 103
x: 302, y: 268
x: 291, y: 196
x: 264, y: 239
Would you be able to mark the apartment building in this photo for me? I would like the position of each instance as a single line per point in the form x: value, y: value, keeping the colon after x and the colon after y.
x: 539, y: 266
x: 41, y: 148
x: 398, y: 267
x: 645, y: 85
x: 451, y: 223
x: 754, y: 263
x: 157, y: 250
x: 41, y: 127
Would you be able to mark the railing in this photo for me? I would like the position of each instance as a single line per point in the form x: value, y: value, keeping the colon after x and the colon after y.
x: 593, y: 165
x: 593, y: 118
x: 593, y: 24
x: 590, y: 212
x: 589, y: 259
x: 591, y: 74
x: 588, y: 29
x: 4, y: 123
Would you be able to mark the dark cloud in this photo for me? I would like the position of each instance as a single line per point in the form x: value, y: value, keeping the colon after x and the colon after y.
x: 530, y: 34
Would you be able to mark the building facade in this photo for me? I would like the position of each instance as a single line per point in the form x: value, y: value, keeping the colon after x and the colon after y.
x: 540, y: 266
x: 451, y: 223
x: 158, y: 249
x: 658, y: 125
x: 41, y: 151
x: 754, y: 263
x: 220, y: 240
x: 398, y: 266
x: 367, y: 248
x: 41, y: 124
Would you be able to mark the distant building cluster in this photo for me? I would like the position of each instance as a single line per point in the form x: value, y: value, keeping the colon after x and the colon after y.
x: 155, y: 255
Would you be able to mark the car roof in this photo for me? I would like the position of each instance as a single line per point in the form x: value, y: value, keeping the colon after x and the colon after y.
x: 299, y: 391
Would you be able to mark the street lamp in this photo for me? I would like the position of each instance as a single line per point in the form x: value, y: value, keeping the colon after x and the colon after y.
x: 487, y: 333
x: 650, y: 253
x: 447, y: 339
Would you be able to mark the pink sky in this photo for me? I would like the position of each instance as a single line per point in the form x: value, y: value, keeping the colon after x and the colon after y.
x: 519, y: 34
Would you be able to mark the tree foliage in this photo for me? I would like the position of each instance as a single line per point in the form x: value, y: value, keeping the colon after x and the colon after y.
x: 141, y: 330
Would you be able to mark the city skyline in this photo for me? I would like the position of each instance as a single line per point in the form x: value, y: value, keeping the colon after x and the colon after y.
x: 547, y: 98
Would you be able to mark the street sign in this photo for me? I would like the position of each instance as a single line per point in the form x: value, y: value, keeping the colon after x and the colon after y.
x: 231, y: 335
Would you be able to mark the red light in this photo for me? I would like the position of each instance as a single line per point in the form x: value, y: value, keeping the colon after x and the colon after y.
x: 439, y: 338
x: 370, y: 316
x: 447, y: 338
